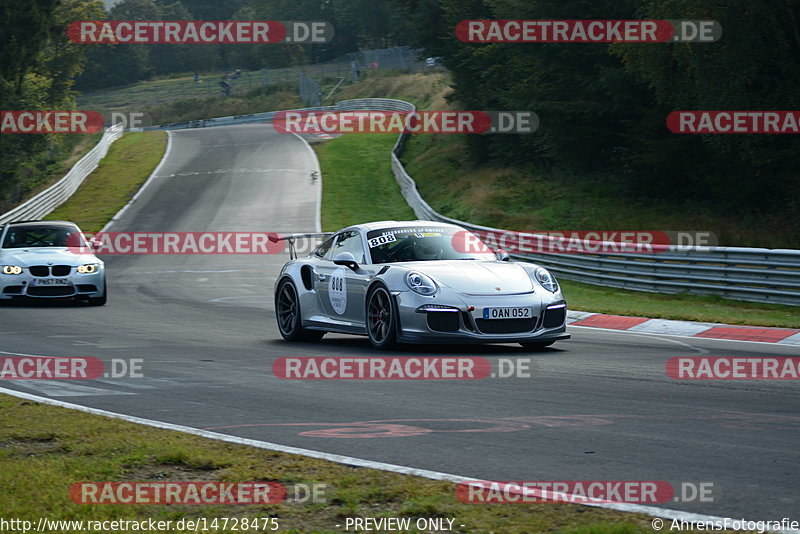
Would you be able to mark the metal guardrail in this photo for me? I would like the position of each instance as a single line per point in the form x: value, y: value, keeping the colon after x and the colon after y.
x: 375, y: 104
x: 52, y: 197
x: 752, y: 274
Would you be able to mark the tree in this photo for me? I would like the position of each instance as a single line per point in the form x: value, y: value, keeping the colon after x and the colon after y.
x: 37, y: 67
x: 755, y: 66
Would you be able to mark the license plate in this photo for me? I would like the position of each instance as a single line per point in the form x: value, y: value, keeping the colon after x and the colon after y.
x: 51, y: 282
x: 508, y: 313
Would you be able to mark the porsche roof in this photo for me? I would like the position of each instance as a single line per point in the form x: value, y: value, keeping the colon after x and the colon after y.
x: 380, y: 225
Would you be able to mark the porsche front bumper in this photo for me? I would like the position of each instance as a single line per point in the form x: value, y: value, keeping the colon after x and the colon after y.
x: 455, y: 318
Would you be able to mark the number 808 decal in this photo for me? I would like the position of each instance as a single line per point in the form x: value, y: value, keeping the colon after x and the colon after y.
x: 381, y: 240
x: 337, y: 291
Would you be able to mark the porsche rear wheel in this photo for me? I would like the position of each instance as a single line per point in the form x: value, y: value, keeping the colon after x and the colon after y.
x: 287, y: 311
x: 381, y: 318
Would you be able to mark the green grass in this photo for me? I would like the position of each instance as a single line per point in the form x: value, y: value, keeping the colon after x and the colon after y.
x: 425, y: 90
x: 257, y: 101
x: 45, y: 449
x: 128, y: 164
x: 159, y: 91
x: 358, y: 184
x: 174, y: 100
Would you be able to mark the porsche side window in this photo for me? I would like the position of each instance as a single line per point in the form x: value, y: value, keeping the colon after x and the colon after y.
x: 324, y: 247
x: 349, y: 242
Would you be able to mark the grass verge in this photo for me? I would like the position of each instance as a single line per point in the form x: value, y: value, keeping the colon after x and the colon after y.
x: 358, y: 184
x: 128, y: 164
x: 268, y: 98
x: 164, y: 91
x: 45, y: 449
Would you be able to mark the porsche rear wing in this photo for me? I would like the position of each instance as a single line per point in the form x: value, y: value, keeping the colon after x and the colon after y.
x: 294, y: 237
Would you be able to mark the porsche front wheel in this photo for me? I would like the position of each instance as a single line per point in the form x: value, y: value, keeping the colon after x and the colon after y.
x: 381, y: 318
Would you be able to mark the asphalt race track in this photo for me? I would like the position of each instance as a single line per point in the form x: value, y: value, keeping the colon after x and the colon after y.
x: 597, y: 407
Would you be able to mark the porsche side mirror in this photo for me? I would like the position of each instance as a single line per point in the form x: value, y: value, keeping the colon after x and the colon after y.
x: 346, y: 259
x: 502, y: 255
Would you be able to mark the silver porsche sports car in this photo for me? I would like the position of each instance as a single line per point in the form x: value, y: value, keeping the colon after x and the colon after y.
x: 49, y: 259
x: 416, y: 282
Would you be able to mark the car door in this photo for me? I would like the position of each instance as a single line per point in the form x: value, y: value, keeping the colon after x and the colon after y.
x: 341, y: 288
x: 322, y: 268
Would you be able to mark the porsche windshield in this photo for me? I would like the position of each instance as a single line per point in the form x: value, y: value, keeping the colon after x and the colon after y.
x: 42, y: 236
x: 420, y: 243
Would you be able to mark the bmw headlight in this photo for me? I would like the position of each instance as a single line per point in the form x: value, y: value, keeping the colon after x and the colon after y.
x: 12, y: 269
x: 88, y: 268
x: 547, y: 280
x: 420, y: 283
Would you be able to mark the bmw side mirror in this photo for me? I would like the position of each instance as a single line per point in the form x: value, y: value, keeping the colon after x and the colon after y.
x: 346, y: 259
x: 502, y: 255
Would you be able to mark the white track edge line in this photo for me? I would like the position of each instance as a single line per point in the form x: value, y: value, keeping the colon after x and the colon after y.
x: 144, y: 185
x: 318, y: 219
x: 348, y: 460
x: 619, y: 331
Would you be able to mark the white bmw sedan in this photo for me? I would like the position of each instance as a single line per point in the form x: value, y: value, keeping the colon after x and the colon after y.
x: 49, y: 260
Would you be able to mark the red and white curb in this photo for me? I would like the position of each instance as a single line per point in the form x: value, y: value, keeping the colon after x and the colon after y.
x: 644, y: 325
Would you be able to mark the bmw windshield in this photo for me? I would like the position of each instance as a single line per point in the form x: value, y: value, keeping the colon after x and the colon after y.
x: 37, y: 235
x: 425, y: 243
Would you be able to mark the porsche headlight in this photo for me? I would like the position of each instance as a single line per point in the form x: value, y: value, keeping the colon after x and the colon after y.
x: 88, y: 268
x: 420, y: 283
x: 547, y: 280
x: 12, y: 269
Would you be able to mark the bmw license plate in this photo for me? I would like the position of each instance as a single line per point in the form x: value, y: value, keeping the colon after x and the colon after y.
x: 521, y: 312
x: 50, y: 282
